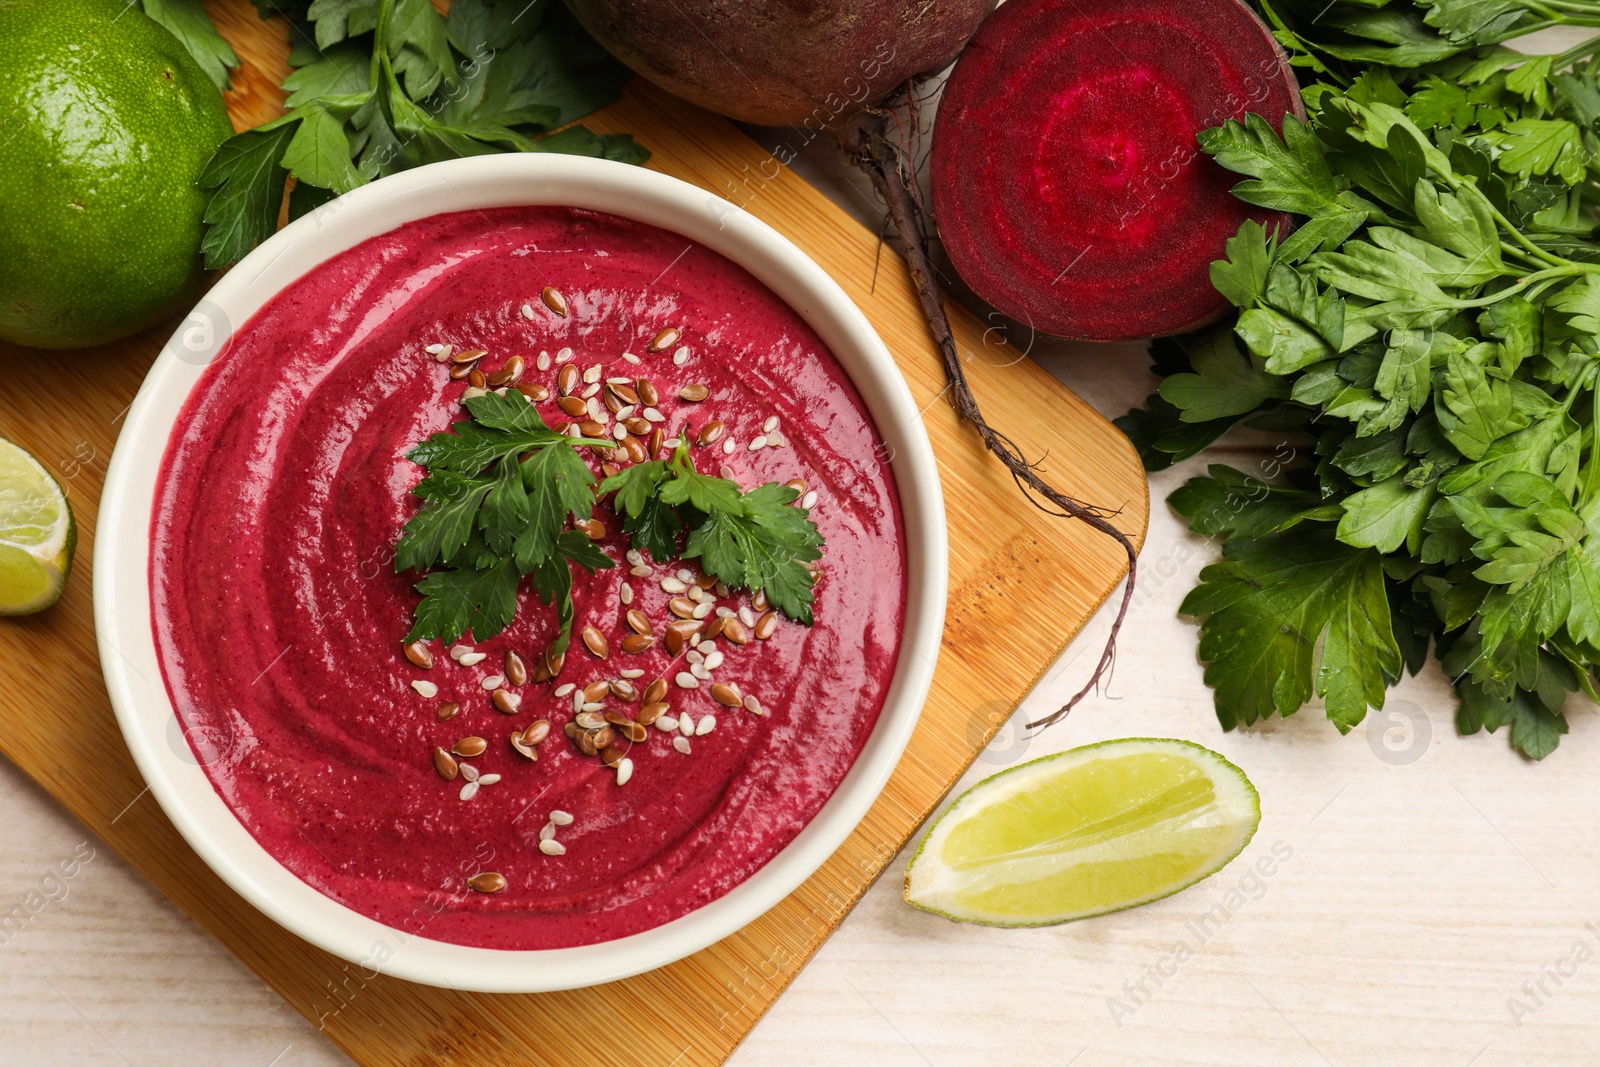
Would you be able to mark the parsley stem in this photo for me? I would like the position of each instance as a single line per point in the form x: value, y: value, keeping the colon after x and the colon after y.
x: 1592, y: 478
x: 1538, y: 278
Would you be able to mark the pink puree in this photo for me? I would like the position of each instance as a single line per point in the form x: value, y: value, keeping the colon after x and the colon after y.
x: 278, y: 614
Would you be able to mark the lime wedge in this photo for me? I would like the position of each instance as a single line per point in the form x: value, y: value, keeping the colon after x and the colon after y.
x: 37, y: 534
x: 1084, y: 832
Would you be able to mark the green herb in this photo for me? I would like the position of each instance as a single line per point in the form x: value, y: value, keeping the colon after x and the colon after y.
x: 499, y: 491
x: 380, y: 86
x: 188, y: 22
x: 1432, y: 324
x: 754, y: 540
x: 502, y: 487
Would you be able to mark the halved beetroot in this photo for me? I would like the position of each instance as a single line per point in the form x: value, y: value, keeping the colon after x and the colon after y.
x: 1068, y: 187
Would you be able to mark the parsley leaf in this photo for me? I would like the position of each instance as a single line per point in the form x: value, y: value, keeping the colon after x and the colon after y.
x: 1292, y: 615
x: 188, y: 22
x: 455, y: 601
x: 753, y: 540
x: 246, y: 183
x: 383, y: 85
x: 492, y: 516
x: 1225, y: 382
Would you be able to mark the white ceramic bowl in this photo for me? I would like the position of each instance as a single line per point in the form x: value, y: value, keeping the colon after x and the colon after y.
x: 122, y: 548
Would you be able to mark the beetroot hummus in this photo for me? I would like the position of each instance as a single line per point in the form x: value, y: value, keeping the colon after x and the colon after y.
x: 278, y: 613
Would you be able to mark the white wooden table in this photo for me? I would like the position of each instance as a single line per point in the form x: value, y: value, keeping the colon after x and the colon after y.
x: 1434, y: 901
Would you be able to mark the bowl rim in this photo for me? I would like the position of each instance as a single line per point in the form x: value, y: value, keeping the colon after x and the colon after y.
x: 121, y: 560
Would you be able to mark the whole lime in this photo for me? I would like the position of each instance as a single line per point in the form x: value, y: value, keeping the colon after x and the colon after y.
x: 105, y: 123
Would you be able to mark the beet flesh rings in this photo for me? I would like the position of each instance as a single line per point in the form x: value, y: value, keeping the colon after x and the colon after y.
x: 1067, y: 183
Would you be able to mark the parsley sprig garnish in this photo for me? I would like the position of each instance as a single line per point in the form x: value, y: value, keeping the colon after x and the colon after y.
x: 502, y: 487
x: 754, y: 540
x: 1432, y: 324
x: 499, y: 491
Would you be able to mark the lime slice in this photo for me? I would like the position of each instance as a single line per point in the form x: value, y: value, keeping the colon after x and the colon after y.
x: 37, y: 534
x: 1084, y: 832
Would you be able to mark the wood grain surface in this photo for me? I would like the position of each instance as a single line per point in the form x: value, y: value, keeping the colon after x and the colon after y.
x: 1022, y: 585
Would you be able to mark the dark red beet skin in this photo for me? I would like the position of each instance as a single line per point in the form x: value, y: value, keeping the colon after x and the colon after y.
x: 1068, y: 186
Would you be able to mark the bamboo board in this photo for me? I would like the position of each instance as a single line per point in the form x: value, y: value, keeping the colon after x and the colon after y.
x: 1021, y: 587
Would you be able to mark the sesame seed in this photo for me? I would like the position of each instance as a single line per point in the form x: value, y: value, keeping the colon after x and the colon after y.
x: 619, y: 431
x: 472, y: 659
x: 770, y: 425
x: 624, y: 771
x: 694, y: 655
x: 457, y: 651
x: 725, y: 471
x: 592, y: 374
x: 593, y: 705
x: 631, y: 673
x: 527, y: 311
x: 728, y: 445
x: 653, y: 415
x: 673, y: 586
x: 425, y: 688
x: 561, y: 818
x: 702, y: 609
x: 752, y: 705
x: 631, y: 358
x: 547, y: 831
x: 713, y: 660
x: 488, y: 779
x: 625, y: 412
x: 552, y: 847
x: 625, y: 593
x: 809, y: 501
x: 681, y: 744
x: 639, y: 571
x: 747, y: 616
x: 469, y: 790
x: 686, y: 680
x: 494, y: 681
x: 667, y: 724
x: 563, y: 355
x: 700, y: 672
x: 619, y: 381
x: 685, y: 574
x: 543, y: 362
x: 726, y: 613
x: 566, y: 689
x: 590, y: 391
x: 706, y: 725
x: 634, y: 557
x: 686, y: 725
x: 681, y: 356
x: 757, y: 443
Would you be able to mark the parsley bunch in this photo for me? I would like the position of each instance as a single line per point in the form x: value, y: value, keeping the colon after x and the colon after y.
x: 1433, y: 325
x: 502, y: 485
x: 380, y: 86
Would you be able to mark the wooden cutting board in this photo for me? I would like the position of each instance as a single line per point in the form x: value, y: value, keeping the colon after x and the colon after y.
x: 1022, y: 585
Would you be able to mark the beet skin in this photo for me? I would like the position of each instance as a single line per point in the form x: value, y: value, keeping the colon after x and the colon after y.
x: 809, y: 63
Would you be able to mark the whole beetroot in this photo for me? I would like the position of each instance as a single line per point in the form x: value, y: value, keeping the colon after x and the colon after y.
x: 806, y: 62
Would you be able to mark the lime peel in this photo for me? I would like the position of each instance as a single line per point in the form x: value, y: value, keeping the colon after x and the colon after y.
x: 1085, y: 832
